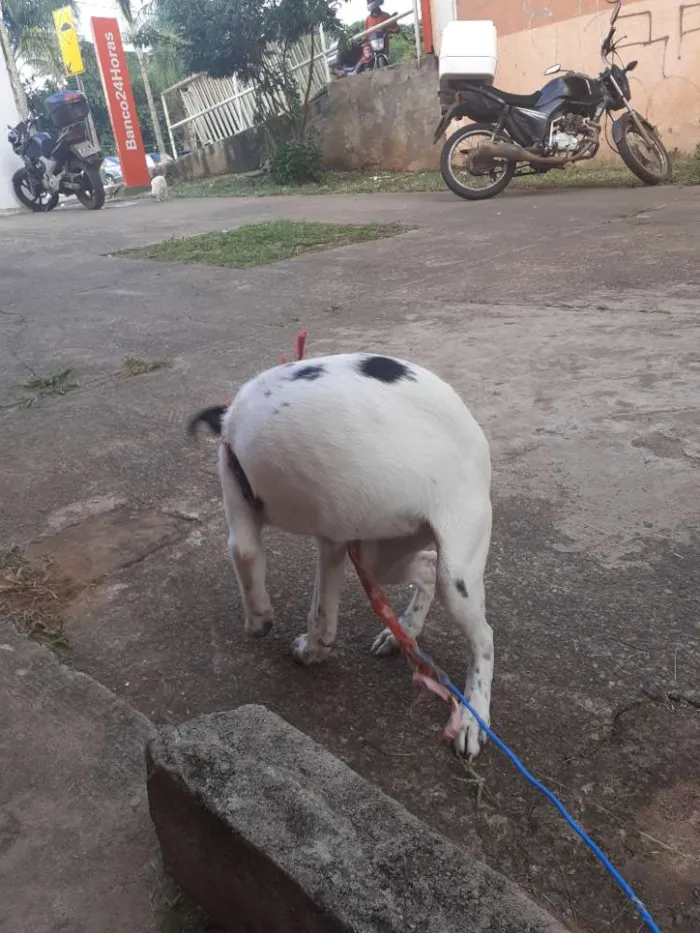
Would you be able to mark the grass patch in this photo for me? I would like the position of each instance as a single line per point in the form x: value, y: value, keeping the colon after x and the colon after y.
x: 685, y: 172
x: 30, y: 596
x: 240, y: 186
x: 262, y: 244
x: 133, y: 366
x: 53, y: 384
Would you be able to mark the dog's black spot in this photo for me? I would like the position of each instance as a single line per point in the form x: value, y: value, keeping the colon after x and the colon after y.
x: 461, y: 588
x: 210, y: 416
x: 308, y: 373
x: 488, y: 656
x: 479, y: 684
x: 235, y: 464
x: 385, y: 369
x: 267, y: 393
x: 275, y: 411
x: 285, y: 405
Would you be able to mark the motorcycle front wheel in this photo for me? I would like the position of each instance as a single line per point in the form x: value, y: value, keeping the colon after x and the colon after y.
x: 92, y: 191
x: 463, y: 180
x: 648, y: 160
x: 39, y: 203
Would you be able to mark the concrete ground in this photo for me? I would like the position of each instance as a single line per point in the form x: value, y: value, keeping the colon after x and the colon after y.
x: 568, y: 322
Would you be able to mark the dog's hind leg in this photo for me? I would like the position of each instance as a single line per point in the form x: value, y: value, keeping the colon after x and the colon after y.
x: 463, y: 537
x: 315, y: 645
x: 391, y: 566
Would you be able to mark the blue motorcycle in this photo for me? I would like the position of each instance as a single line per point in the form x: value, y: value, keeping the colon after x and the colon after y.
x: 62, y: 161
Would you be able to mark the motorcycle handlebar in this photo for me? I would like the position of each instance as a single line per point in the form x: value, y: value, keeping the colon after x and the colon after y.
x: 606, y: 46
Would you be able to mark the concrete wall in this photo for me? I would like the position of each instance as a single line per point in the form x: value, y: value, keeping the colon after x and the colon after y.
x: 9, y: 162
x: 241, y: 153
x: 664, y: 35
x: 381, y: 120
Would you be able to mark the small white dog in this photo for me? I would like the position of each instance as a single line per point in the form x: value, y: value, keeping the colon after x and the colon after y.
x: 365, y: 448
x: 159, y: 188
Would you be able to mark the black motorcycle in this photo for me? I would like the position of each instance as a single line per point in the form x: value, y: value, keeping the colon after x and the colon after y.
x: 359, y: 56
x: 63, y: 161
x: 522, y: 134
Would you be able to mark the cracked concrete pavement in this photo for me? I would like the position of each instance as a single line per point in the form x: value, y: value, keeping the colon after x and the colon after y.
x: 568, y: 322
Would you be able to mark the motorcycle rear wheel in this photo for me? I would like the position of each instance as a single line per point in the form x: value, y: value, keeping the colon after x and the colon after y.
x: 474, y: 187
x: 92, y: 193
x: 45, y: 201
x: 651, y: 164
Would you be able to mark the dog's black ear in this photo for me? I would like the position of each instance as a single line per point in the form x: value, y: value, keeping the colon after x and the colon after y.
x: 211, y: 416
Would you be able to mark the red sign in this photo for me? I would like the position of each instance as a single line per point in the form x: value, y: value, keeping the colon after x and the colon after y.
x: 120, y: 100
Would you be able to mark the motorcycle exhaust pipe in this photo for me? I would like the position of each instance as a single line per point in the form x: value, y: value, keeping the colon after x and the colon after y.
x: 511, y: 152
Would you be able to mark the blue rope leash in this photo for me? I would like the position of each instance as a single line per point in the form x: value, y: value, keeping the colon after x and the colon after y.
x: 419, y: 658
x: 639, y: 906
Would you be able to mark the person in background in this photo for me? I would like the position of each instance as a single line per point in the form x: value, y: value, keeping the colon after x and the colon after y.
x: 377, y: 16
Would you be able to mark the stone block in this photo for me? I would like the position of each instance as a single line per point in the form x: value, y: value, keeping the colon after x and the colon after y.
x: 273, y: 834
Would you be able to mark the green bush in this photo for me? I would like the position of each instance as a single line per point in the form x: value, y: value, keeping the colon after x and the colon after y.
x: 295, y: 162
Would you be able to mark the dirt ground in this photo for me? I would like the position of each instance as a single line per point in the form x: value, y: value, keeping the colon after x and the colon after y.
x: 568, y: 322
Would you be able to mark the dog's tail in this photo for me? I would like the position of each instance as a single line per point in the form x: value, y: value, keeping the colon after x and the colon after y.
x: 210, y: 416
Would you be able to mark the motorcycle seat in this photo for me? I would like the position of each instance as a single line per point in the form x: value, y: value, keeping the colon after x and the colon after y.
x: 516, y: 100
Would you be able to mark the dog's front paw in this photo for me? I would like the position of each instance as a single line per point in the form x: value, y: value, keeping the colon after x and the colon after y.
x: 384, y: 644
x: 471, y: 737
x: 306, y: 654
x: 259, y: 624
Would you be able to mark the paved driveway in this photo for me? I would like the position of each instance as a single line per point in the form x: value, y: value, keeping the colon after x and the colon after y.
x: 569, y: 323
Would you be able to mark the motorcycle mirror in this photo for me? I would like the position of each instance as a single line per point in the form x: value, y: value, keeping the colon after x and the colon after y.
x: 632, y: 66
x: 616, y: 11
x: 552, y: 70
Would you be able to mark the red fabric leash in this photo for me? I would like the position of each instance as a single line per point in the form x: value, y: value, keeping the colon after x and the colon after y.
x: 425, y: 672
x: 299, y: 347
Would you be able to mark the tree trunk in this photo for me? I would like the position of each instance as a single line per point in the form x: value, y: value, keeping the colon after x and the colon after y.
x: 305, y: 108
x: 17, y: 89
x: 152, y: 106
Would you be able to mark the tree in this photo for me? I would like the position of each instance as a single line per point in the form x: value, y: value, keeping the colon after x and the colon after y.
x: 27, y: 25
x: 245, y: 38
x: 128, y: 14
x: 32, y: 35
x: 7, y: 55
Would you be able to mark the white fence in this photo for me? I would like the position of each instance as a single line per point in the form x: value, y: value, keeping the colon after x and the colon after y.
x: 216, y: 108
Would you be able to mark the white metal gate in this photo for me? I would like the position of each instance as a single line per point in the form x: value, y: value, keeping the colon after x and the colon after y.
x: 216, y: 108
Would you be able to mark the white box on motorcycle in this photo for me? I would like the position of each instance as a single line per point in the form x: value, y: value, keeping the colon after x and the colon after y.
x: 468, y: 54
x: 68, y: 109
x: 65, y: 108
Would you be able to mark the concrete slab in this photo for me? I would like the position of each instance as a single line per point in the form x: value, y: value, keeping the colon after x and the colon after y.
x: 275, y: 835
x: 568, y: 321
x: 76, y: 847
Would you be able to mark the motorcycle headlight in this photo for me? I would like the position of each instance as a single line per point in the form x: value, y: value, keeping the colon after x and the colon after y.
x: 376, y: 43
x: 622, y: 81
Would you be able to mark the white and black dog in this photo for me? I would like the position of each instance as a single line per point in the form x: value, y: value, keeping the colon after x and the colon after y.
x: 368, y: 449
x: 159, y: 188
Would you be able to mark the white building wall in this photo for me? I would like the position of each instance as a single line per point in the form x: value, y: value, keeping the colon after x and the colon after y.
x: 9, y: 162
x: 444, y: 11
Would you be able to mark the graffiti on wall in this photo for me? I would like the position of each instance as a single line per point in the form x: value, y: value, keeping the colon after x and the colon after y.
x: 639, y: 31
x: 664, y: 35
x: 667, y: 40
